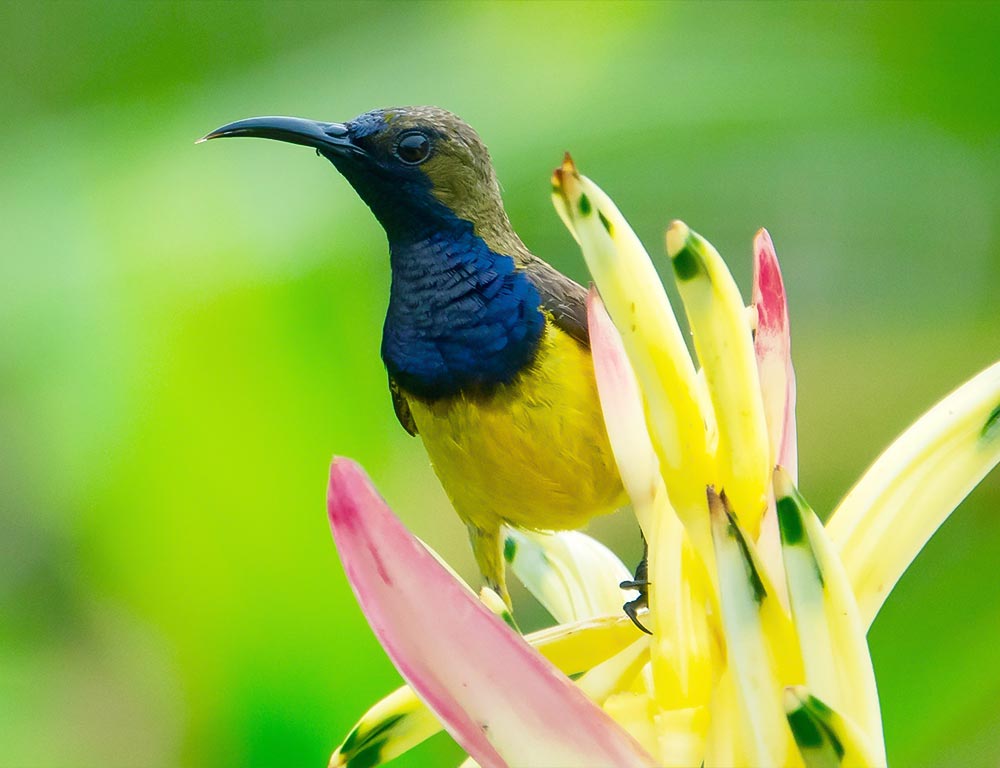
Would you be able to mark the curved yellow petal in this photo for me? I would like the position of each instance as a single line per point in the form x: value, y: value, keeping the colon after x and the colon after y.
x: 638, y: 304
x: 885, y: 520
x: 725, y: 349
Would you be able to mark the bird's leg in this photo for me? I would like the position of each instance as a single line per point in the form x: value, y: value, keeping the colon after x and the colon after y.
x: 639, y: 581
x: 487, y: 546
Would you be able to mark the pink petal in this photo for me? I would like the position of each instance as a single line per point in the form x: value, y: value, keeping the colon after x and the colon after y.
x: 773, y: 346
x: 499, y: 699
x: 621, y: 404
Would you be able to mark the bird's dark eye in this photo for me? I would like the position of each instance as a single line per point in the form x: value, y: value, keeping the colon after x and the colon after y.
x: 413, y: 148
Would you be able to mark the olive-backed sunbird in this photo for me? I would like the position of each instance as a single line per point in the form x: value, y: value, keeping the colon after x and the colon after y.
x: 485, y: 344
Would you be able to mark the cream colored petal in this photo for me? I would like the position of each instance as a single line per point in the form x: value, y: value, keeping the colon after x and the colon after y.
x: 573, y: 576
x: 723, y: 341
x: 884, y: 522
x: 838, y: 667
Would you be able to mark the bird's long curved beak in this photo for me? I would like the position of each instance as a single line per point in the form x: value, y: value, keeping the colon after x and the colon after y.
x: 329, y: 137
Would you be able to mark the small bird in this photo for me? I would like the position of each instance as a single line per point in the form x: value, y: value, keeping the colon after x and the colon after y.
x: 486, y: 345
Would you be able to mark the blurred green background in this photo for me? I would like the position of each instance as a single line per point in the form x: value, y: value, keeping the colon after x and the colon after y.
x: 188, y: 333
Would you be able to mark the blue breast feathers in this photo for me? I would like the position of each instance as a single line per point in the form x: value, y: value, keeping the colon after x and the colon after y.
x: 461, y: 318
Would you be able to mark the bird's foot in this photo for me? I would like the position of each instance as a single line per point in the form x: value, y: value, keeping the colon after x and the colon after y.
x: 641, y: 582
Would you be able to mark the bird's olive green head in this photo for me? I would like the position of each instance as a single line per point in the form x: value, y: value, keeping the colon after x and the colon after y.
x: 415, y: 167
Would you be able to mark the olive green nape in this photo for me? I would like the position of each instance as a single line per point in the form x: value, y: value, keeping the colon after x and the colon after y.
x: 462, y: 176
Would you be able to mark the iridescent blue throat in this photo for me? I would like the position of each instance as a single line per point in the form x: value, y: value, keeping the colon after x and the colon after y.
x: 461, y: 318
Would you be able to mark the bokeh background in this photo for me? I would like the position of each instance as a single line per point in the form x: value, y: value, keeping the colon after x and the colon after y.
x: 188, y: 333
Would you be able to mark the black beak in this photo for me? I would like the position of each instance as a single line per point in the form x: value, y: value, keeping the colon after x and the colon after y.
x: 334, y: 138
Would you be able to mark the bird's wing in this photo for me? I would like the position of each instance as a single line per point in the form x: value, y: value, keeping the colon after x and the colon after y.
x: 564, y: 299
x: 402, y: 408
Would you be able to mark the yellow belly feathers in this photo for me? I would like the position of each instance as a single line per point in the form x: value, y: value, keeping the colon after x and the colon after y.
x: 534, y: 453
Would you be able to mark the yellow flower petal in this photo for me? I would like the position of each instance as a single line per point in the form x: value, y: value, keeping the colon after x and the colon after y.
x: 638, y: 304
x: 617, y: 673
x: 725, y: 349
x: 884, y: 522
x: 634, y: 712
x: 682, y: 735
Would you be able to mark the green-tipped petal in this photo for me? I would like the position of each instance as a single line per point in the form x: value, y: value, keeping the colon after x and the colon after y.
x: 725, y: 349
x: 572, y: 575
x: 753, y: 645
x: 624, y: 418
x: 884, y: 522
x: 838, y: 667
x: 394, y: 725
x: 825, y: 739
x: 500, y: 700
x: 638, y: 304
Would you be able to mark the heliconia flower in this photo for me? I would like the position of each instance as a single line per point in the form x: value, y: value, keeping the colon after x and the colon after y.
x: 758, y: 611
